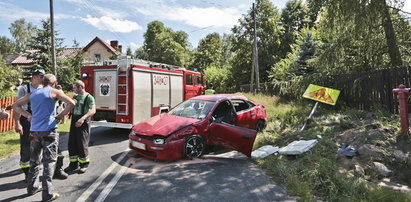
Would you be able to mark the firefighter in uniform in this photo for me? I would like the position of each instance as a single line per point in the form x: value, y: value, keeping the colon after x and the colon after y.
x: 43, y: 136
x: 22, y: 125
x: 79, y: 136
x: 209, y: 90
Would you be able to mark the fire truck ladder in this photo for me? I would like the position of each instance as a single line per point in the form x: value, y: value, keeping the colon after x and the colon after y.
x: 122, y: 95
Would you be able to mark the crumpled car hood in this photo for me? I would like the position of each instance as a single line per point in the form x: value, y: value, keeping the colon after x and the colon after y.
x: 162, y: 124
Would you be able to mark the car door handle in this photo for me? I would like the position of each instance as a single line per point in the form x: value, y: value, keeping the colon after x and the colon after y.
x: 247, y: 137
x: 252, y: 114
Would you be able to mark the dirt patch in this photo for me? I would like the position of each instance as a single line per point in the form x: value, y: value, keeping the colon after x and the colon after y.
x: 377, y: 147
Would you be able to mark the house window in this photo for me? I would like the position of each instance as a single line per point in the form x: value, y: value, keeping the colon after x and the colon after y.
x: 97, y: 57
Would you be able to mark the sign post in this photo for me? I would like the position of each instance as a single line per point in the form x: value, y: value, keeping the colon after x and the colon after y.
x: 320, y: 94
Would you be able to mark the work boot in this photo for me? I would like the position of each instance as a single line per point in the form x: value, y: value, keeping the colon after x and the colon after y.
x: 34, y: 190
x: 83, y: 168
x: 26, y: 173
x: 72, y: 167
x: 59, y: 173
x: 52, y: 198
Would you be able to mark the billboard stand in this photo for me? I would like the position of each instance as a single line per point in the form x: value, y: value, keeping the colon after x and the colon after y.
x: 309, y: 116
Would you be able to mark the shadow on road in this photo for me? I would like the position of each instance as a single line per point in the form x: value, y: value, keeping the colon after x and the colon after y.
x: 223, y: 177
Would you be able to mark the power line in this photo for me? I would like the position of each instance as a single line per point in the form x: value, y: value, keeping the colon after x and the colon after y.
x: 201, y: 29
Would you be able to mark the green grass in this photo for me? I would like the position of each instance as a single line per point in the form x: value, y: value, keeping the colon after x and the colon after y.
x: 10, y: 141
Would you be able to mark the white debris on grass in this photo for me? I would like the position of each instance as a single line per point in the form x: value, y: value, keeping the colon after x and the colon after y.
x: 264, y: 151
x: 298, y: 147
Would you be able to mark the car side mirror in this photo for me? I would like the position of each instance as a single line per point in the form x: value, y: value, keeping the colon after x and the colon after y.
x: 212, y: 119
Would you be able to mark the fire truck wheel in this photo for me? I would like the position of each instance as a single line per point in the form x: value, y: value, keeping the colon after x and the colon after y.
x: 260, y: 125
x: 194, y: 147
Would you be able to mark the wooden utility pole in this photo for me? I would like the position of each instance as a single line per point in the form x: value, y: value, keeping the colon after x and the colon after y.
x: 255, y: 57
x: 53, y: 46
x: 252, y: 64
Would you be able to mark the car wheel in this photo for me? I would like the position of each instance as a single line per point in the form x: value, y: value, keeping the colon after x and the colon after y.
x: 260, y: 125
x: 194, y: 147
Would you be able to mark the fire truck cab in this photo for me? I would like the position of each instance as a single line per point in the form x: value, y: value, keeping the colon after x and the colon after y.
x: 128, y: 91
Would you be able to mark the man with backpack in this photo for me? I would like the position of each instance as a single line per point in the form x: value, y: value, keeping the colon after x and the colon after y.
x: 79, y: 136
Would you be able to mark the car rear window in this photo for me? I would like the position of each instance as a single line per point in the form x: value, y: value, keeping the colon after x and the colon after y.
x: 240, y: 105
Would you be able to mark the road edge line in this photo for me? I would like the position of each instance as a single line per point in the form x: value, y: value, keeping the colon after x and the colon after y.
x: 100, y: 179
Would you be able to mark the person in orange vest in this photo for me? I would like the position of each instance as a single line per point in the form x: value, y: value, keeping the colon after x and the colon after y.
x: 209, y: 90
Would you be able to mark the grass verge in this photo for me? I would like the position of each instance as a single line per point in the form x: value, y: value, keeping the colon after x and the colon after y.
x: 10, y: 141
x: 317, y: 174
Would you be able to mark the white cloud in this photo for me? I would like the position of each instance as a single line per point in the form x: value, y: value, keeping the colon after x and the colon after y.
x: 88, y: 7
x: 195, y: 16
x: 204, y: 17
x: 112, y: 24
x: 12, y: 12
x: 407, y: 6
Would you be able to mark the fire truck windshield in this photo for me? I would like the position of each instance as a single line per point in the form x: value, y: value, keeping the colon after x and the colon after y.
x: 196, y: 109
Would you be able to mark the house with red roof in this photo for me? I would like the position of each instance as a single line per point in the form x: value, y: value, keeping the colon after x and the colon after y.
x: 94, y: 52
x: 98, y: 50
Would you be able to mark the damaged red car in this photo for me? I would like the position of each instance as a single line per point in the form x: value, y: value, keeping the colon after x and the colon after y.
x: 227, y: 120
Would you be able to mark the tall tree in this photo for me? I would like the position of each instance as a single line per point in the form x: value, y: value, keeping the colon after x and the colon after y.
x: 128, y: 52
x: 364, y: 13
x: 306, y: 52
x: 269, y: 33
x: 41, y: 45
x: 314, y: 9
x: 69, y: 69
x: 294, y: 17
x: 7, y: 46
x: 209, y: 51
x: 8, y: 76
x: 163, y: 45
x: 22, y: 32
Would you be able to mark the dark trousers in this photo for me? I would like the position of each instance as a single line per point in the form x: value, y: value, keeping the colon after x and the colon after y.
x: 79, y: 138
x: 25, y: 143
x: 44, y: 146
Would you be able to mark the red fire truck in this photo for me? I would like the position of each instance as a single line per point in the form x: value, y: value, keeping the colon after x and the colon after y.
x: 128, y: 91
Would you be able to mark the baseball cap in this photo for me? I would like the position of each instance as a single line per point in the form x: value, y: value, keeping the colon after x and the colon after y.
x: 38, y: 72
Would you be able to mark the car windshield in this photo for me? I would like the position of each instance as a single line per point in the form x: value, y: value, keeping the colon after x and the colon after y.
x: 197, y: 109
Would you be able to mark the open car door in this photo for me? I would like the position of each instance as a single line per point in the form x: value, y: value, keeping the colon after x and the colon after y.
x: 232, y: 137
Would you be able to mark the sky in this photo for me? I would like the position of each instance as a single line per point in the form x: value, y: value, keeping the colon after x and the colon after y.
x: 126, y: 20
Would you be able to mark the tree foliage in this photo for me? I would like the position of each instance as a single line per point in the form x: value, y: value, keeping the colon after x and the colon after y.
x: 22, y: 32
x: 219, y: 77
x: 162, y: 44
x: 294, y: 17
x: 269, y: 34
x: 209, y: 52
x: 41, y: 44
x: 7, y: 46
x: 8, y: 77
x: 69, y: 69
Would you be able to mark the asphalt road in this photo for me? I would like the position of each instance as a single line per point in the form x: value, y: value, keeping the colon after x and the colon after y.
x: 118, y: 174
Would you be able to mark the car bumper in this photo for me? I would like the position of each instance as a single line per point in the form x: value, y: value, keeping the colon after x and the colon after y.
x: 165, y: 152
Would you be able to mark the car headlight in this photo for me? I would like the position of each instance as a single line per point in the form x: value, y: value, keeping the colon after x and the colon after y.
x: 158, y: 141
